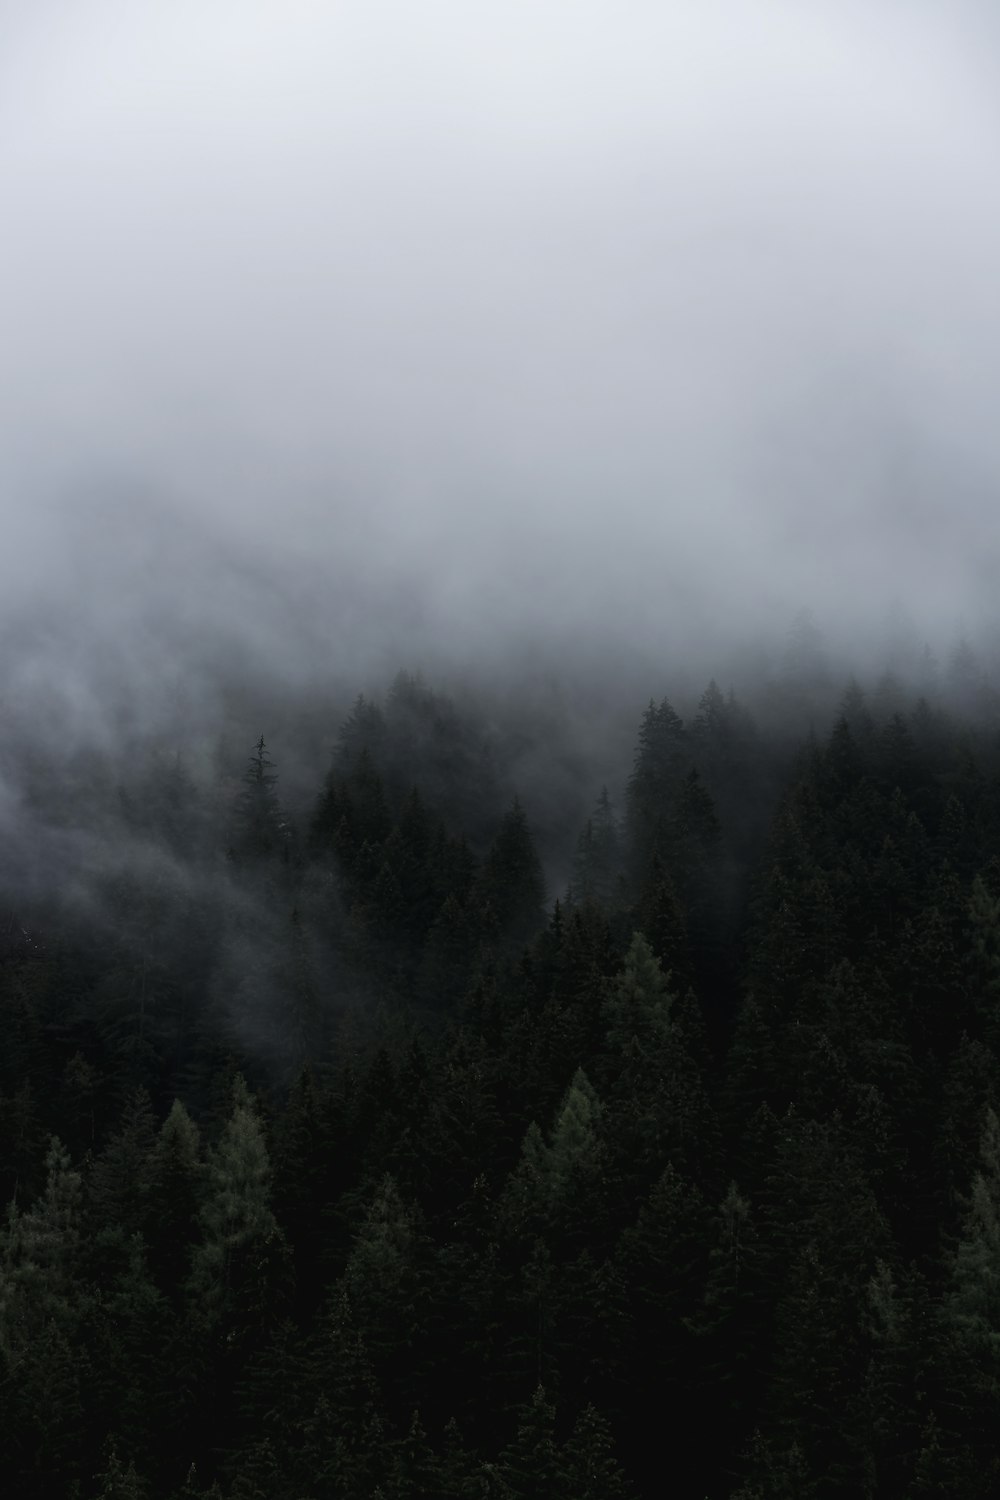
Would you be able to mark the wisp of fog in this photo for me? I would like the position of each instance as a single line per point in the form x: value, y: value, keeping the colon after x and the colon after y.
x: 340, y: 336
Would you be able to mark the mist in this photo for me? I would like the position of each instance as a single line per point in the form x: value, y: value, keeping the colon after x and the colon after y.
x: 499, y: 747
x: 562, y: 353
x: 364, y: 336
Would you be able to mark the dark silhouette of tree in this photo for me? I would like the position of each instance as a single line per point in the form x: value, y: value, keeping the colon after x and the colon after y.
x: 357, y: 1149
x: 260, y: 828
x: 511, y: 885
x: 597, y: 865
x: 661, y: 759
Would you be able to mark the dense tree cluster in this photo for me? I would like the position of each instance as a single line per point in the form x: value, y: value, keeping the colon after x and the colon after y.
x: 342, y: 1160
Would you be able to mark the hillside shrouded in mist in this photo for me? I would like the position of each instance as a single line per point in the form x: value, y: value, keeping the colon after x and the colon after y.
x: 548, y: 349
x: 499, y: 750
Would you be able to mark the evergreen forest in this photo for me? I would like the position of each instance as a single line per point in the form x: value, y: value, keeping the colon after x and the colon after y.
x: 403, y: 1134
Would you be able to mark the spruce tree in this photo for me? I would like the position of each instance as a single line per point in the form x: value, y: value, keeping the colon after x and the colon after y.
x: 588, y: 1468
x: 528, y: 1464
x: 119, y: 1481
x: 660, y: 760
x: 240, y: 1270
x: 597, y: 866
x: 260, y: 827
x: 637, y: 1008
x: 173, y: 1186
x: 511, y: 884
x: 971, y: 1326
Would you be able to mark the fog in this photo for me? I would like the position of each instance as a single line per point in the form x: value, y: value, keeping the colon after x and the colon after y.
x: 339, y: 337
x: 564, y: 352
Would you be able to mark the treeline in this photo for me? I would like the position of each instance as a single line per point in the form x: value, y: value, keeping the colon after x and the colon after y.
x: 345, y: 1162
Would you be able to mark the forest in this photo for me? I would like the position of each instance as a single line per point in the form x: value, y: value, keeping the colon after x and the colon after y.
x: 404, y: 1134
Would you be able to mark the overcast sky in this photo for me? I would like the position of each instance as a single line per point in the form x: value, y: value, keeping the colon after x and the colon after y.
x: 609, y: 317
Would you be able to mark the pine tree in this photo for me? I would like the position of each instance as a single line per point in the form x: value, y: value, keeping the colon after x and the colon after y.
x: 240, y: 1269
x: 526, y: 1197
x: 823, y: 1233
x: 886, y: 1417
x: 729, y: 1283
x: 805, y: 661
x: 118, y: 1482
x: 300, y: 1019
x: 574, y: 1155
x: 933, y: 1475
x: 118, y: 1186
x: 984, y: 918
x: 511, y: 884
x: 854, y: 712
x: 191, y: 1489
x: 45, y: 1369
x: 79, y: 1091
x: 446, y: 964
x: 260, y: 827
x: 588, y: 1469
x: 385, y: 1281
x: 777, y: 1472
x: 597, y: 868
x: 414, y: 1473
x: 364, y: 729
x: 694, y: 841
x: 128, y: 1336
x: 366, y: 821
x: 650, y: 1079
x: 528, y: 1465
x: 21, y: 1140
x: 660, y: 759
x: 971, y: 1326
x: 457, y: 1477
x: 662, y: 1261
x: 661, y: 918
x: 307, y: 1176
x: 41, y: 1258
x: 258, y: 1474
x: 637, y: 1007
x: 341, y: 1450
x: 974, y: 1303
x: 173, y: 1183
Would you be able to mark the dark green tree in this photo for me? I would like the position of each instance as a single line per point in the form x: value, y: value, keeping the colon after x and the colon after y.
x: 511, y: 884
x: 240, y: 1273
x: 661, y: 759
x: 528, y: 1465
x: 597, y: 864
x: 588, y: 1468
x: 119, y: 1481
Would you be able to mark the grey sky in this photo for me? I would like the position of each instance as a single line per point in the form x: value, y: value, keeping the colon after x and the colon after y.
x: 602, y: 316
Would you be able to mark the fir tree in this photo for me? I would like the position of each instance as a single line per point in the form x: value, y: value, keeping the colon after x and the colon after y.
x: 660, y: 760
x: 118, y: 1482
x: 597, y: 864
x: 173, y: 1184
x: 528, y: 1465
x: 511, y: 885
x: 240, y: 1268
x: 588, y: 1468
x: 638, y: 1003
x: 260, y: 826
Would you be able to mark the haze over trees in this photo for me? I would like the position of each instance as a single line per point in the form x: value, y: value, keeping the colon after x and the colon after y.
x: 346, y: 1155
x: 566, y: 1066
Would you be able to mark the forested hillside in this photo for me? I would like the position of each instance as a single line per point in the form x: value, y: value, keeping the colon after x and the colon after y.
x: 347, y: 1159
